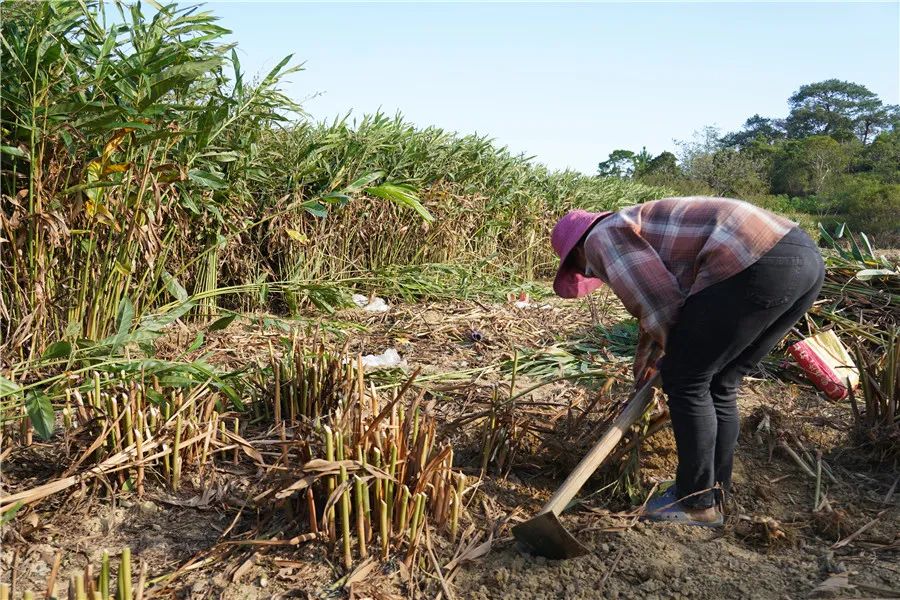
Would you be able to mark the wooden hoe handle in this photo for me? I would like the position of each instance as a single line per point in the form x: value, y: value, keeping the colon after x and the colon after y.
x: 636, y: 406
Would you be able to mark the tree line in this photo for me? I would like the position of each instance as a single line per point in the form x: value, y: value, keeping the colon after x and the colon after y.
x: 834, y: 157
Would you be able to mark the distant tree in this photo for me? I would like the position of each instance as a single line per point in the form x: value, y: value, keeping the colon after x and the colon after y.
x: 619, y: 164
x: 807, y: 166
x: 756, y: 129
x: 725, y: 171
x: 663, y: 164
x: 883, y: 119
x: 840, y: 109
x: 624, y: 163
x: 881, y: 158
x: 640, y: 161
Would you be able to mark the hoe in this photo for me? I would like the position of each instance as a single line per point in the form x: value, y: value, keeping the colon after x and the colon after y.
x: 544, y: 534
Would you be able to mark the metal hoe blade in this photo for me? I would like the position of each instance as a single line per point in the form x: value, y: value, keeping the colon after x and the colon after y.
x: 545, y: 536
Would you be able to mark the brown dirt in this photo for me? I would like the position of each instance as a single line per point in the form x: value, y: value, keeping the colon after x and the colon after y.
x: 772, y: 546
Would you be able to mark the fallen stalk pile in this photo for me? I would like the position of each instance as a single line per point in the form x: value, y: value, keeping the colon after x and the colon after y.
x: 124, y: 429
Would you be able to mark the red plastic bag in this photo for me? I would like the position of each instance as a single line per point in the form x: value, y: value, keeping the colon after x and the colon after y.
x: 826, y: 363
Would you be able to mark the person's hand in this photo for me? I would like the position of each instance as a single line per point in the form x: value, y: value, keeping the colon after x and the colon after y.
x: 646, y: 358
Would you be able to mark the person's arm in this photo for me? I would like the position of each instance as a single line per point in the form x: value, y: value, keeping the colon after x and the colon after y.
x: 637, y: 275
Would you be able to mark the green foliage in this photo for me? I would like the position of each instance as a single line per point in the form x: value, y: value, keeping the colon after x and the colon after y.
x: 665, y: 164
x: 724, y: 171
x: 621, y: 338
x: 624, y: 163
x: 40, y: 412
x: 807, y: 166
x: 619, y: 164
x: 881, y: 158
x: 757, y: 130
x: 788, y: 205
x: 840, y: 109
x: 868, y: 204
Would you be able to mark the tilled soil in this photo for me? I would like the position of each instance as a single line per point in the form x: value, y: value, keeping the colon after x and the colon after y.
x: 773, y: 546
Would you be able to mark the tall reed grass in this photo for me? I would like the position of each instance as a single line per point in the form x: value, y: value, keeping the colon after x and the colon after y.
x: 141, y: 165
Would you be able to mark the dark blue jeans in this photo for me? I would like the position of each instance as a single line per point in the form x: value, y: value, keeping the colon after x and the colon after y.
x: 721, y: 334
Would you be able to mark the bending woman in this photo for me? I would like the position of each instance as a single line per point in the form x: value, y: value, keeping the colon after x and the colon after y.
x: 716, y: 283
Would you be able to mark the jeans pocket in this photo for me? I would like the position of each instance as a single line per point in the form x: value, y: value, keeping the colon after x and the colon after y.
x: 774, y: 280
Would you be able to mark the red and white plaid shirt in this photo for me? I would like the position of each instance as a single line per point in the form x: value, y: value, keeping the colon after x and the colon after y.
x: 654, y: 255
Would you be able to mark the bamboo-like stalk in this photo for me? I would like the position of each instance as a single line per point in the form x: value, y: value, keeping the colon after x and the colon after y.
x: 176, y: 454
x: 367, y: 508
x: 210, y: 432
x: 4, y: 591
x: 129, y: 433
x: 415, y: 427
x: 389, y: 483
x: 67, y: 415
x: 115, y: 433
x: 454, y: 514
x: 104, y: 575
x: 311, y: 509
x: 142, y: 581
x: 124, y: 592
x: 89, y: 582
x: 416, y: 516
x: 139, y: 450
x: 223, y: 432
x: 276, y: 371
x: 417, y: 526
x: 237, y: 431
x: 345, y: 519
x: 361, y: 514
x: 384, y: 528
x: 404, y: 508
x: 79, y: 586
x: 330, y: 483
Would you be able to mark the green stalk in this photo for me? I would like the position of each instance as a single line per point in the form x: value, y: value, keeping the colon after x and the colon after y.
x: 384, y: 528
x: 404, y: 505
x: 125, y: 575
x: 79, y: 586
x: 362, y: 514
x: 104, y: 575
x: 345, y: 520
x: 389, y: 483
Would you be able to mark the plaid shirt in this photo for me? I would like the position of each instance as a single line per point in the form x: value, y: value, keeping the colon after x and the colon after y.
x: 654, y: 255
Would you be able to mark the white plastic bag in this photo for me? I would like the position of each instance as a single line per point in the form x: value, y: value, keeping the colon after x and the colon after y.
x: 389, y: 359
x: 377, y: 304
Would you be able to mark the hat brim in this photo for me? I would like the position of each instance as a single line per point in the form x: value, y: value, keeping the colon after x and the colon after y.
x: 571, y: 284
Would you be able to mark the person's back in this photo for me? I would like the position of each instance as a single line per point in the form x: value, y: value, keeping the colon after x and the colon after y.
x: 702, y: 240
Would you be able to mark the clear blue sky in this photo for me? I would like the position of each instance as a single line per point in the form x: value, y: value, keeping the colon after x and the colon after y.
x: 568, y: 83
